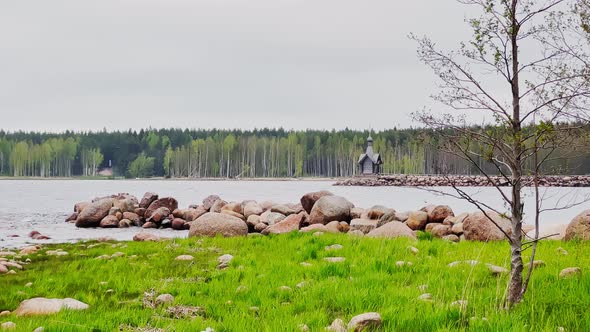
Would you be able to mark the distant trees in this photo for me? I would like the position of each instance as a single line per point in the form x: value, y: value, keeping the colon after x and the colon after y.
x: 235, y: 153
x: 142, y: 166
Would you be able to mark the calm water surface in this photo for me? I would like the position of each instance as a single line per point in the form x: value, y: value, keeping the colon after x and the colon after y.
x: 43, y: 205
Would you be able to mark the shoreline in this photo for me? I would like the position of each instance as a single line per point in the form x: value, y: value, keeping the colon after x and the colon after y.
x: 281, y: 179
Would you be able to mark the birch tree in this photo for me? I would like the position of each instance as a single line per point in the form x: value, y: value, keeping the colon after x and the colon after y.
x: 527, y: 73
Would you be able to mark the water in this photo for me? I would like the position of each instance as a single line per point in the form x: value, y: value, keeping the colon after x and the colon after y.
x: 43, y: 205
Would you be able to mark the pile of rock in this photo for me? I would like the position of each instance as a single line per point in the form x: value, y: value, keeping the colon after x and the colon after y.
x: 461, y: 181
x: 317, y: 211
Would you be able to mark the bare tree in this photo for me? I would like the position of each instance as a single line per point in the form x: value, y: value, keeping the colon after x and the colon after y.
x: 525, y: 71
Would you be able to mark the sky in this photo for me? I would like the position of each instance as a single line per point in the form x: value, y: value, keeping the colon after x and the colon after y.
x: 296, y: 64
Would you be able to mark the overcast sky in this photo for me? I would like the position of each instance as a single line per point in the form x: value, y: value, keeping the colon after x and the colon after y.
x: 298, y: 64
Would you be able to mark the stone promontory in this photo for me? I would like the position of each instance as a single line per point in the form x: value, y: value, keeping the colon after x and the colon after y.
x: 403, y: 180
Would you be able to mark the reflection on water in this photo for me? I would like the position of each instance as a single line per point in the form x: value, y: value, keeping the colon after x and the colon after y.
x: 43, y: 205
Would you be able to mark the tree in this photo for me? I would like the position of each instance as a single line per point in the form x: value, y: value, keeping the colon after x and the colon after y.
x: 142, y: 166
x: 524, y: 70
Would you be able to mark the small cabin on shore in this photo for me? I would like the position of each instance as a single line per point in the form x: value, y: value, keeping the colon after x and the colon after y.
x: 370, y: 162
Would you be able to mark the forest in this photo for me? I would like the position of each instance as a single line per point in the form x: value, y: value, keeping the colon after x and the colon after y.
x: 184, y: 153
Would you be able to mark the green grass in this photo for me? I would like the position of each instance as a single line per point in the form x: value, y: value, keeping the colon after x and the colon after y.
x: 368, y: 280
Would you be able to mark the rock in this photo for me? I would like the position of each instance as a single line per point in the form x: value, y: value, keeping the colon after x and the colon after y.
x: 570, y: 272
x: 140, y: 212
x: 441, y: 230
x: 356, y: 212
x: 164, y: 299
x: 178, y: 213
x: 393, y: 230
x: 44, y: 306
x: 149, y: 224
x: 428, y: 228
x: 252, y: 209
x: 536, y: 264
x: 369, y: 320
x: 337, y: 326
x: 148, y: 198
x: 35, y: 235
x: 403, y: 263
x: 363, y: 225
x: 377, y: 211
x: 477, y: 227
x: 253, y: 220
x: 451, y: 238
x: 133, y: 217
x: 114, y: 210
x: 72, y: 217
x: 437, y: 213
x: 289, y: 224
x: 4, y: 313
x: 145, y: 236
x: 468, y: 262
x: 3, y: 269
x: 314, y: 228
x: 209, y: 201
x: 496, y: 270
x: 260, y: 227
x: 425, y: 297
x: 387, y: 217
x: 8, y: 326
x: 28, y: 250
x: 233, y: 206
x: 417, y: 220
x: 271, y: 218
x: 579, y: 227
x: 413, y: 250
x: 217, y: 206
x: 193, y: 214
x: 167, y: 202
x: 334, y: 259
x: 178, y: 224
x: 56, y: 252
x: 109, y: 222
x: 159, y: 214
x: 283, y: 209
x: 457, y: 229
x: 184, y: 258
x: 561, y: 251
x: 308, y: 200
x: 223, y: 261
x: 343, y: 226
x: 78, y: 207
x: 333, y: 247
x: 128, y: 204
x: 330, y: 208
x: 212, y: 224
x: 234, y: 214
x: 402, y: 216
x: 333, y: 227
x: 125, y: 223
x: 93, y: 213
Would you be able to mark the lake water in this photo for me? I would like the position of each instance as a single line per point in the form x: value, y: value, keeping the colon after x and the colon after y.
x: 43, y: 205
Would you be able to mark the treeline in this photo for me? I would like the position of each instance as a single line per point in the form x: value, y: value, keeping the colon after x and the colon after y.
x: 231, y: 153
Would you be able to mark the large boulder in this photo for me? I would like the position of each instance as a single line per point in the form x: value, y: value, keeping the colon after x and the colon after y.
x: 168, y: 202
x: 252, y: 208
x: 437, y: 213
x: 133, y: 217
x: 93, y: 213
x: 78, y: 207
x: 109, y: 222
x: 417, y: 220
x: 217, y: 206
x: 283, y: 209
x: 289, y: 224
x: 376, y: 212
x: 212, y: 224
x: 126, y: 205
x: 393, y: 229
x: 330, y: 208
x: 271, y: 218
x: 308, y: 200
x: 579, y: 227
x: 233, y: 206
x: 477, y: 227
x: 44, y: 306
x: 148, y: 198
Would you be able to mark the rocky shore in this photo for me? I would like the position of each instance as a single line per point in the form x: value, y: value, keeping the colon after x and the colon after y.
x: 460, y: 181
x: 319, y: 211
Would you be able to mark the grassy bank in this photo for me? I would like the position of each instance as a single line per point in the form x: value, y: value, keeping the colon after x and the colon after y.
x: 368, y: 280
